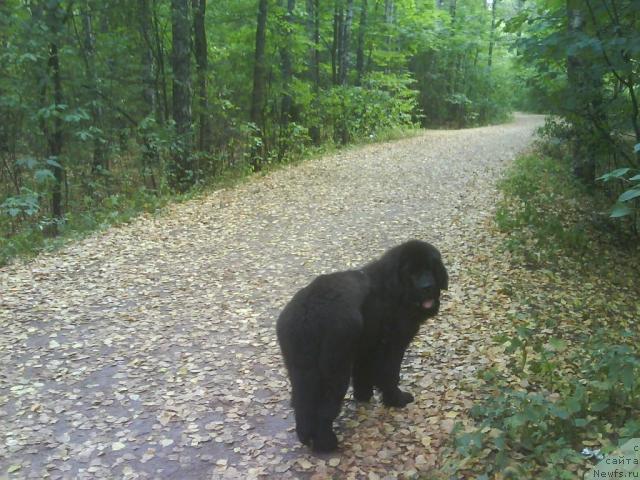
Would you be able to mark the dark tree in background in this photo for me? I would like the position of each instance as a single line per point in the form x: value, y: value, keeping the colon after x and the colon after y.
x: 313, y: 29
x: 151, y: 111
x: 183, y: 175
x: 494, y: 4
x: 580, y: 79
x: 88, y: 51
x: 148, y: 62
x: 259, y: 82
x: 51, y: 16
x: 362, y: 31
x: 344, y: 37
x: 202, y: 62
x: 287, y: 67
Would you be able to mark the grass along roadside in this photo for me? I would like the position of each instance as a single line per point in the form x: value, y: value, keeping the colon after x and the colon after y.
x: 566, y: 356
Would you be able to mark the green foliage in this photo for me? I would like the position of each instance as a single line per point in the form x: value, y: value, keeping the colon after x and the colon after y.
x: 384, y: 102
x: 627, y: 203
x: 587, y: 393
x: 462, y: 82
x: 32, y: 236
x: 99, y: 119
x: 294, y: 139
x: 571, y: 375
x: 545, y: 215
x: 583, y: 59
x: 26, y: 203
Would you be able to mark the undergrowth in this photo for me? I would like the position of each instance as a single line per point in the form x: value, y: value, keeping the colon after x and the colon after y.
x: 571, y: 344
x: 542, y: 213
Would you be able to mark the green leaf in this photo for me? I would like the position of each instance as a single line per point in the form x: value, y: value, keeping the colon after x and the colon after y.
x: 27, y: 162
x: 600, y: 406
x: 469, y: 441
x: 617, y: 173
x: 28, y: 57
x: 620, y: 210
x: 629, y: 194
x: 572, y: 405
x: 628, y: 377
x: 559, y: 412
x: 515, y: 421
x: 557, y: 345
x: 53, y: 162
x: 601, y: 385
x: 635, y: 178
x: 580, y: 422
x: 43, y: 175
x: 636, y: 148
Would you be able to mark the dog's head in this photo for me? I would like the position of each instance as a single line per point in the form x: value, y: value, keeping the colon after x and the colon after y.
x: 422, y: 275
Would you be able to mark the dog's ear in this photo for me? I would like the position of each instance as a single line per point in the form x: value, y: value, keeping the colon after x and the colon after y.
x: 442, y: 277
x: 402, y: 279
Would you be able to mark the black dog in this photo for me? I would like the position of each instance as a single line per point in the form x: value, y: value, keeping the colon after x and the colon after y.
x: 356, y: 324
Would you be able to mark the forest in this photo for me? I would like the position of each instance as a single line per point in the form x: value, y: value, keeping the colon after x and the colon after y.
x: 109, y: 106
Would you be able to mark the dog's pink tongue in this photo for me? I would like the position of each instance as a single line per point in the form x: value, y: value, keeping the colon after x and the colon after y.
x: 427, y: 304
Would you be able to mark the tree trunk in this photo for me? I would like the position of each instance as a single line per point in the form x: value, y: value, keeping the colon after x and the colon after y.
x: 5, y: 149
x: 313, y: 15
x: 149, y: 86
x: 345, y: 36
x: 313, y: 27
x: 160, y: 60
x: 388, y: 15
x: 580, y: 91
x: 389, y: 8
x: 202, y: 66
x: 492, y: 33
x: 55, y: 138
x: 287, y: 72
x: 183, y: 175
x: 367, y: 66
x: 150, y: 93
x: 519, y: 8
x: 335, y: 46
x: 259, y: 82
x: 52, y: 15
x: 362, y: 29
x: 89, y: 46
x: 575, y: 24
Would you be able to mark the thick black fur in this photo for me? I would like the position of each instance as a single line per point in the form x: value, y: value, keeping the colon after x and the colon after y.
x: 356, y: 325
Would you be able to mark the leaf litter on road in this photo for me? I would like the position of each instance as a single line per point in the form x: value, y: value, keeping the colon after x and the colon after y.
x: 149, y: 351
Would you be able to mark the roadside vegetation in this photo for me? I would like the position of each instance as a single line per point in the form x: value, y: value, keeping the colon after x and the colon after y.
x: 566, y: 378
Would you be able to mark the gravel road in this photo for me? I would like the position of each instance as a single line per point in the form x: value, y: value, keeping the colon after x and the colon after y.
x: 148, y: 350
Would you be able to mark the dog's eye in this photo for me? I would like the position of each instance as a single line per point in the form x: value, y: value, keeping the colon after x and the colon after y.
x: 424, y: 280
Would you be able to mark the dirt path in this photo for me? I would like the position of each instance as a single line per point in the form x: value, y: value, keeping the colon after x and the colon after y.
x: 148, y: 351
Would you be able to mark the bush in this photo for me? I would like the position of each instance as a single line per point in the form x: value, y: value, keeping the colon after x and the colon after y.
x: 384, y: 102
x: 571, y: 379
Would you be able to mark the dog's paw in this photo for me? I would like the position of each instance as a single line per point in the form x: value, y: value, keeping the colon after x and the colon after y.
x: 397, y: 399
x: 325, y: 442
x: 363, y: 395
